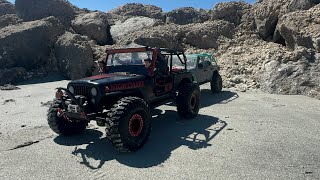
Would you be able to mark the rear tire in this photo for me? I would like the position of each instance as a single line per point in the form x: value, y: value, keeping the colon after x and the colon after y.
x: 129, y: 124
x: 60, y: 125
x: 216, y: 83
x: 188, y: 100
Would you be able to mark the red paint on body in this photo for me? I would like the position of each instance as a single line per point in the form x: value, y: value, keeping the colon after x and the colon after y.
x: 100, y: 76
x: 122, y: 86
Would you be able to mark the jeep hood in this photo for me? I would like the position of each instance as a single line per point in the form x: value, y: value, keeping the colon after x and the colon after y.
x: 105, y: 79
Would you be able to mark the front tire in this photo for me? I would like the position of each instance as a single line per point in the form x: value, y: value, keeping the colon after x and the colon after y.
x: 129, y: 124
x: 216, y: 83
x: 62, y: 126
x: 188, y: 100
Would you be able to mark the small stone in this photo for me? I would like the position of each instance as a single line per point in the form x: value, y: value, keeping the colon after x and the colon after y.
x: 236, y: 80
x: 9, y: 87
x: 8, y: 100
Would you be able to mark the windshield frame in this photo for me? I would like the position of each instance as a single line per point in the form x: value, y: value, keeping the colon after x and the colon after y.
x: 128, y: 58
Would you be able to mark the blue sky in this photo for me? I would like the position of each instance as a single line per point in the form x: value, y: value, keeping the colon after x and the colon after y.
x: 166, y: 5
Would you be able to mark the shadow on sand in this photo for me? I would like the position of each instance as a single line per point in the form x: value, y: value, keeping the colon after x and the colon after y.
x: 207, y: 98
x: 167, y: 134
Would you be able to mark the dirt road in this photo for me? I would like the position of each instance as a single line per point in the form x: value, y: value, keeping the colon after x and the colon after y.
x: 236, y: 136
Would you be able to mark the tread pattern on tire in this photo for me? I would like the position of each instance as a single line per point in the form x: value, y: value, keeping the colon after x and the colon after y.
x: 117, y: 121
x: 216, y: 83
x: 61, y: 126
x: 183, y: 100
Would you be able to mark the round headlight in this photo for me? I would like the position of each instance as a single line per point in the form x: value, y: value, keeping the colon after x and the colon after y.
x: 94, y: 91
x: 71, y: 89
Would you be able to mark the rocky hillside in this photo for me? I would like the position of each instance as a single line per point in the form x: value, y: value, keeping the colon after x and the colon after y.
x: 272, y: 45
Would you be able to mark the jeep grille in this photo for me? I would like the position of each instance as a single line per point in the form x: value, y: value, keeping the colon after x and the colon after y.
x: 81, y: 90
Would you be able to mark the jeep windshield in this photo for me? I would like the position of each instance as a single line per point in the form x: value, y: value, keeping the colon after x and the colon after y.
x: 131, y: 58
x: 128, y: 62
x: 191, y: 62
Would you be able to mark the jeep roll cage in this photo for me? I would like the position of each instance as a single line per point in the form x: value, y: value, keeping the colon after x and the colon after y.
x: 155, y: 54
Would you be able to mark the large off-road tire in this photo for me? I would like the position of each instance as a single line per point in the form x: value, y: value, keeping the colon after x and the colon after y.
x: 62, y: 126
x: 216, y: 83
x: 188, y: 100
x: 129, y: 124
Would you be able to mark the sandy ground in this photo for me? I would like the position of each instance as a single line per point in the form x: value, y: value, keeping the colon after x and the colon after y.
x: 237, y: 135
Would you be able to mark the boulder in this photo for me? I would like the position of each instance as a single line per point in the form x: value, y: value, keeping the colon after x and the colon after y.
x: 199, y: 35
x: 301, y: 28
x: 74, y: 56
x: 94, y: 25
x: 38, y: 9
x: 267, y: 13
x: 187, y: 15
x: 294, y: 5
x: 137, y: 9
x: 205, y: 35
x: 132, y: 25
x: 9, y: 19
x: 247, y: 23
x: 167, y: 36
x: 230, y: 11
x: 12, y: 75
x: 113, y: 18
x: 6, y: 8
x: 28, y: 44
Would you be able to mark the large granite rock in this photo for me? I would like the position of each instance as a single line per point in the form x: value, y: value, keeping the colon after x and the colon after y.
x: 6, y: 8
x: 187, y: 15
x: 267, y: 13
x: 28, y: 44
x: 199, y: 35
x: 134, y: 24
x: 205, y: 35
x: 301, y: 28
x: 38, y: 9
x: 94, y: 25
x: 230, y: 11
x: 9, y: 19
x: 137, y: 9
x: 12, y: 75
x: 74, y: 56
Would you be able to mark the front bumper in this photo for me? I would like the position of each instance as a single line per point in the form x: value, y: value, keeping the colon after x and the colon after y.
x: 81, y: 114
